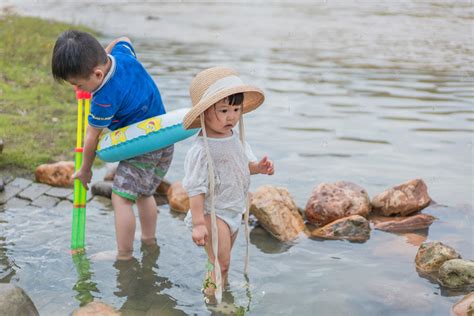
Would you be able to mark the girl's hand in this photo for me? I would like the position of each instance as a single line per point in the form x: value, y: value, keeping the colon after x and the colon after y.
x: 200, y: 234
x: 265, y: 166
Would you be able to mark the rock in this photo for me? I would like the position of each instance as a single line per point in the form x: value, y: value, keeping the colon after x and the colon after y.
x: 13, y: 188
x: 2, y: 185
x: 332, y: 201
x: 404, y: 224
x: 406, y: 198
x: 178, y: 198
x: 34, y: 191
x: 101, y: 203
x: 277, y: 212
x: 63, y: 206
x: 45, y: 201
x: 352, y: 228
x: 464, y: 307
x: 57, y: 174
x: 111, y: 169
x: 60, y: 193
x: 163, y: 188
x: 17, y: 203
x: 14, y: 301
x: 96, y: 308
x: 102, y: 188
x: 432, y: 255
x: 456, y: 273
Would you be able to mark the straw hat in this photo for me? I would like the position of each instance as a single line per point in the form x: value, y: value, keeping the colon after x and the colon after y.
x: 214, y: 84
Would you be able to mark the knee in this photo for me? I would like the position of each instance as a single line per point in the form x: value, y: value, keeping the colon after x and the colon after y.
x: 225, y: 265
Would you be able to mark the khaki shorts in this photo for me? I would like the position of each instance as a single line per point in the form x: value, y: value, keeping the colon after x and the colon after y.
x: 140, y: 176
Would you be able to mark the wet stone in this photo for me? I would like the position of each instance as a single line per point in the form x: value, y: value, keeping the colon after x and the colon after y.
x: 60, y: 193
x: 17, y: 203
x: 63, y: 206
x: 71, y: 196
x: 21, y: 183
x: 45, y: 201
x: 13, y: 188
x: 34, y: 191
x: 100, y: 202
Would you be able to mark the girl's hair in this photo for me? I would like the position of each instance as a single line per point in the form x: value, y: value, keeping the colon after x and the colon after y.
x: 236, y: 99
x: 76, y: 54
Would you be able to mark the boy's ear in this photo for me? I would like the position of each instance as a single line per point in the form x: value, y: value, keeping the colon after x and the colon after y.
x: 99, y: 73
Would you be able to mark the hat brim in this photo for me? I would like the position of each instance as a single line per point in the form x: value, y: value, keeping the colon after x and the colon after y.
x: 253, y: 98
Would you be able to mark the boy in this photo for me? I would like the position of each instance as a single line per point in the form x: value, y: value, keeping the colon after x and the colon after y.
x: 123, y: 93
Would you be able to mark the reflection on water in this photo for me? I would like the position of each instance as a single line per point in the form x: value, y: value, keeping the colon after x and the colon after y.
x: 84, y: 286
x: 140, y: 284
x: 370, y: 92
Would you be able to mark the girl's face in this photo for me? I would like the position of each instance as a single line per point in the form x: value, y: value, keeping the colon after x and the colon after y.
x: 221, y: 118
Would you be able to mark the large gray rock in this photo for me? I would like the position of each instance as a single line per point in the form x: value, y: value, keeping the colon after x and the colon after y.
x: 432, y: 255
x: 102, y: 188
x: 404, y: 199
x: 352, y: 228
x: 456, y: 273
x: 15, y: 302
x: 277, y: 212
x: 332, y: 201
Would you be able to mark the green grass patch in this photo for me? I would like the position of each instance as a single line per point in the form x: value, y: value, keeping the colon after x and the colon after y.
x: 37, y: 115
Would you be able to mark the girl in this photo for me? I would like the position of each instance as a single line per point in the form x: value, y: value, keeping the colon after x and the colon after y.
x: 218, y: 167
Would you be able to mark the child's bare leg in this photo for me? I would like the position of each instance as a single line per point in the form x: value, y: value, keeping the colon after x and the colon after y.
x: 147, y: 212
x: 124, y: 226
x: 224, y: 246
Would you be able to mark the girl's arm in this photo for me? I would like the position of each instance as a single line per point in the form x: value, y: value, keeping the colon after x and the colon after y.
x: 264, y: 166
x: 109, y: 47
x: 200, y: 233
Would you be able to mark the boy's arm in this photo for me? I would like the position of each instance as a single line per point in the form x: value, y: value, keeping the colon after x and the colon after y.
x: 109, y: 47
x: 264, y: 166
x: 90, y: 145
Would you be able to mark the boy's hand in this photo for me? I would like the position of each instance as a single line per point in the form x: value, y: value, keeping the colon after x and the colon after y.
x: 265, y: 166
x: 83, y: 176
x: 200, y: 234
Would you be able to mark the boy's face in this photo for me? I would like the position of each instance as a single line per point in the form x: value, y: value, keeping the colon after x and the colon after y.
x: 89, y: 84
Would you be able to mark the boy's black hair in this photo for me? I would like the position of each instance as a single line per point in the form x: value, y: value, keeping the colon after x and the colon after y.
x: 236, y: 99
x: 76, y: 54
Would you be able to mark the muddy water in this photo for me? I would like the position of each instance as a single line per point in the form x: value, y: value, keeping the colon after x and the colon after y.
x: 373, y: 93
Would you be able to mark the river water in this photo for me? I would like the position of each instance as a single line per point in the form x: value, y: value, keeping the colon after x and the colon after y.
x: 372, y: 92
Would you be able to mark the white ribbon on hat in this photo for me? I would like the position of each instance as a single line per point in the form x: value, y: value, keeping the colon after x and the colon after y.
x: 221, y: 84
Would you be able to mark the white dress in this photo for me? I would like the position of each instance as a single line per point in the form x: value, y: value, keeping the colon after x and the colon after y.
x: 232, y: 177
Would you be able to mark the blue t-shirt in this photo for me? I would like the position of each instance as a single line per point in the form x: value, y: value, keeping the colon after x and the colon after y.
x: 128, y: 93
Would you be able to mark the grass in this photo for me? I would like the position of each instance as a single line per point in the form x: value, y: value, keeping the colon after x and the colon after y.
x: 37, y: 115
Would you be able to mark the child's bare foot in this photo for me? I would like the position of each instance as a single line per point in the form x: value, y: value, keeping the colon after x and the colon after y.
x: 210, y: 296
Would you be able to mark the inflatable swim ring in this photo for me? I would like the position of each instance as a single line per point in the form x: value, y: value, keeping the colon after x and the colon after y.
x: 143, y: 137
